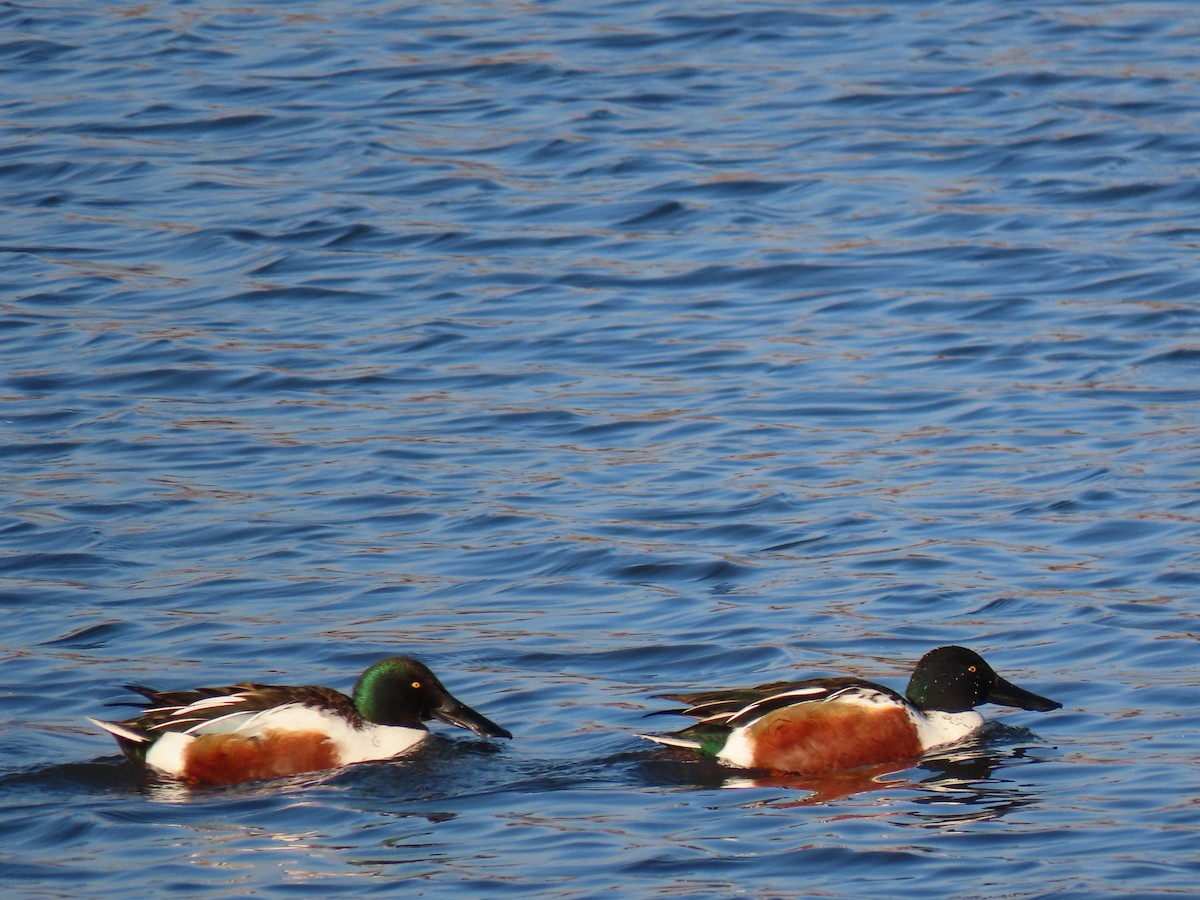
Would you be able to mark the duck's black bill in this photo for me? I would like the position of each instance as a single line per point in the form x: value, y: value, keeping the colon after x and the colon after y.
x: 1005, y: 693
x: 456, y: 713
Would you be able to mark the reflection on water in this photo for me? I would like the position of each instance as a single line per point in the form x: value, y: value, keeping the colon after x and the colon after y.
x: 948, y: 787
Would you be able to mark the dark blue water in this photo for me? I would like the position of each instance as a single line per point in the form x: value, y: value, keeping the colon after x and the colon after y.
x: 588, y: 351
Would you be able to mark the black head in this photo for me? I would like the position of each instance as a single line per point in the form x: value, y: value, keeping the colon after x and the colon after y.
x: 955, y: 679
x: 402, y: 691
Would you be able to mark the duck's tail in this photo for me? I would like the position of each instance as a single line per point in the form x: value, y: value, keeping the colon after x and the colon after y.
x: 672, y: 740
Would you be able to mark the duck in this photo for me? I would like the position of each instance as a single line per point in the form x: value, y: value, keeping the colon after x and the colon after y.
x: 250, y: 732
x: 819, y: 726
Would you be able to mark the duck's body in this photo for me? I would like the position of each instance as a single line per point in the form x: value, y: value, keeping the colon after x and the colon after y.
x: 249, y: 731
x: 822, y: 725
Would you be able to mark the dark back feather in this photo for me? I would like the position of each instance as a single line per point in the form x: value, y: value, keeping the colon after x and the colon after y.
x: 740, y: 706
x: 175, y: 710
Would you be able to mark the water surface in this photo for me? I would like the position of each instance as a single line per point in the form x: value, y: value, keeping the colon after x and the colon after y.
x: 588, y: 352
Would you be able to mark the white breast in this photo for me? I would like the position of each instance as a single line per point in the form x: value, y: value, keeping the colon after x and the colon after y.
x: 936, y: 729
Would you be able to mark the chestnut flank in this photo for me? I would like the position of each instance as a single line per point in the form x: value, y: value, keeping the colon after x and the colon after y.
x: 231, y: 758
x: 814, y: 738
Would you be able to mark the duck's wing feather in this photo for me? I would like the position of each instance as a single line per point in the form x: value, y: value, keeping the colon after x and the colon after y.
x: 194, y: 709
x: 741, y: 706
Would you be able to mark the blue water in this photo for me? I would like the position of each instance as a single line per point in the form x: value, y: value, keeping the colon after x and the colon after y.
x: 588, y: 351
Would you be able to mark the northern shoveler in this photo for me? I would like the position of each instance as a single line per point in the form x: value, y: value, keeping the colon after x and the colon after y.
x: 247, y: 731
x: 825, y: 724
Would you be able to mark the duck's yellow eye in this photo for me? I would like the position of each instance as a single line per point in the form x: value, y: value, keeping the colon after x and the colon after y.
x: 417, y: 685
x: 969, y: 669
